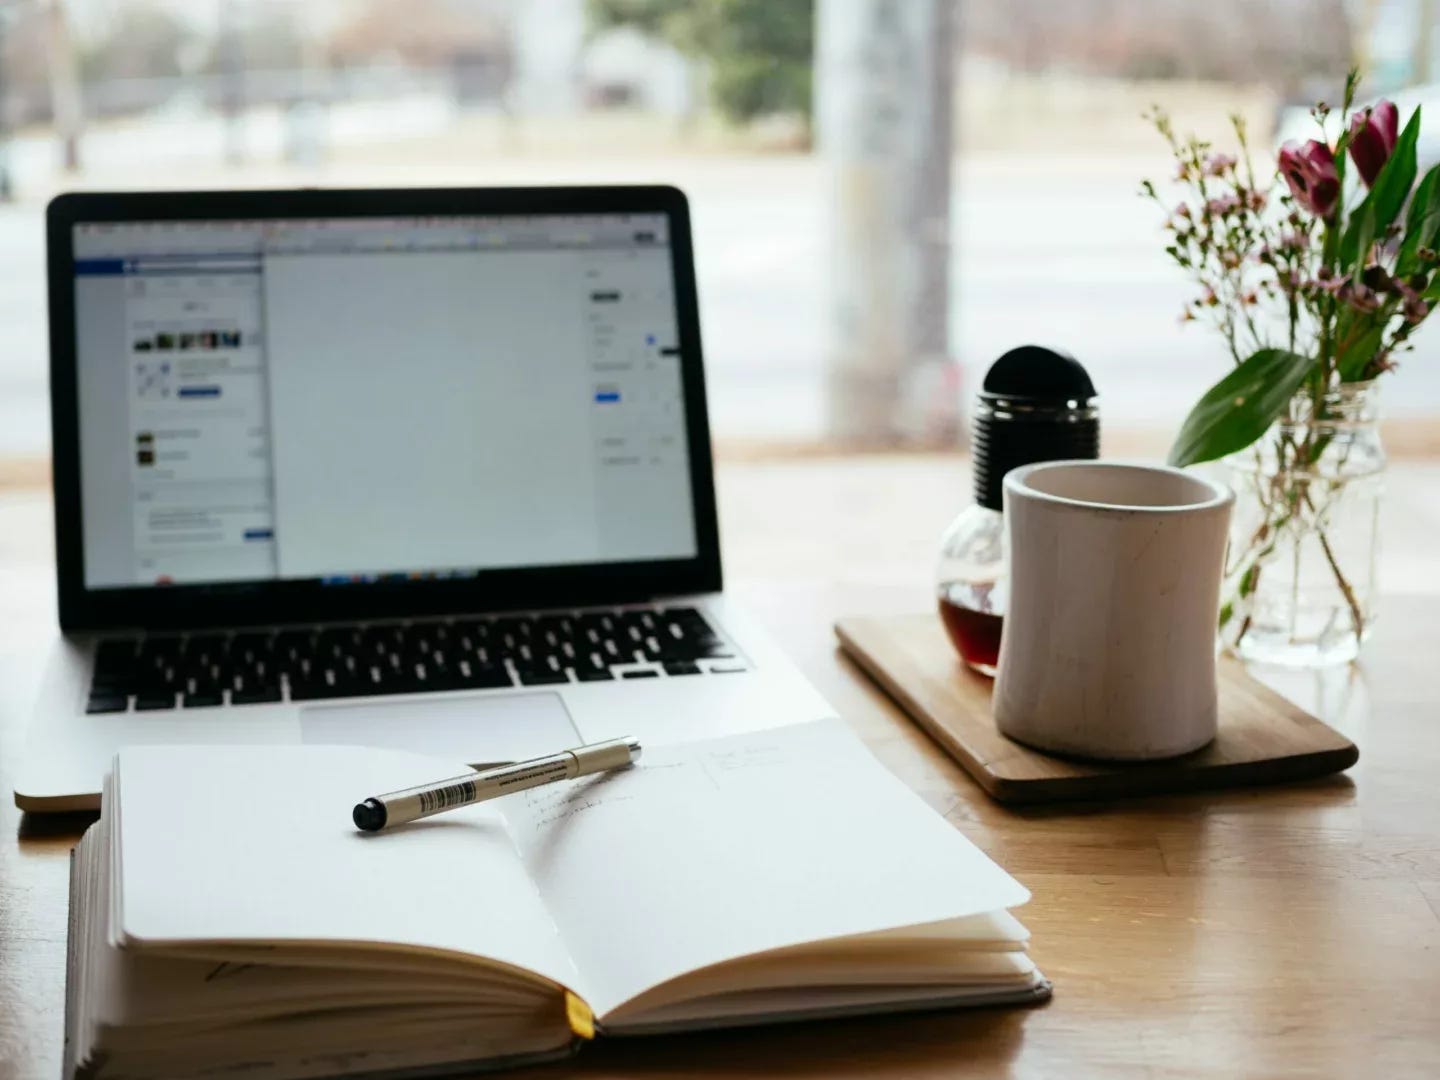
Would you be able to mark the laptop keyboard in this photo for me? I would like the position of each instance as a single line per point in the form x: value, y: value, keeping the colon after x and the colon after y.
x: 255, y: 667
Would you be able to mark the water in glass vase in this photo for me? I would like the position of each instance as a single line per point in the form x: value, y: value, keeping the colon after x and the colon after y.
x: 1301, y: 572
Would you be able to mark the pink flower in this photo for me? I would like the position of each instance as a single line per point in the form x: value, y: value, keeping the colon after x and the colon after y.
x: 1294, y: 240
x: 1413, y: 306
x: 1358, y: 296
x: 1372, y: 138
x: 1224, y: 204
x: 1310, y: 172
x: 1219, y: 164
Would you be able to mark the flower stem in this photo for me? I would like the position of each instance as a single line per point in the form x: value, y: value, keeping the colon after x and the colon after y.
x: 1281, y: 505
x: 1356, y: 616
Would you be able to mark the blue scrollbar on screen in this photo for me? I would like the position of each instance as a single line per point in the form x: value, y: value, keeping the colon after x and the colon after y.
x: 185, y: 264
x: 99, y: 267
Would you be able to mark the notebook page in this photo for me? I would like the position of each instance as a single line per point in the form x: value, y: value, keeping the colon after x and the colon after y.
x: 255, y: 844
x: 713, y: 850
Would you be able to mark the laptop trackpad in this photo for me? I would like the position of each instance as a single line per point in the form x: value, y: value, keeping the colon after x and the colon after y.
x: 509, y: 727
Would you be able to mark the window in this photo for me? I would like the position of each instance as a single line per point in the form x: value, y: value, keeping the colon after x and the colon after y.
x: 886, y: 195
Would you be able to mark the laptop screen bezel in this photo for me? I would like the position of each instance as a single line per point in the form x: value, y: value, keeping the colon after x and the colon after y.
x: 259, y: 603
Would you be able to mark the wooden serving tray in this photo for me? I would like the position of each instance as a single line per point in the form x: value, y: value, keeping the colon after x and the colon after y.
x: 1263, y: 738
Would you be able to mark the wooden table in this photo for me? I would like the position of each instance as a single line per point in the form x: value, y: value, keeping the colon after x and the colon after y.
x: 1289, y: 931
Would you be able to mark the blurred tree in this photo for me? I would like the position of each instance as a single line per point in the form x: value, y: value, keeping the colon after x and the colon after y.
x: 143, y: 42
x: 25, y: 58
x: 429, y: 33
x: 760, y: 53
x: 1275, y: 42
x: 474, y: 45
x: 271, y: 40
x: 6, y: 186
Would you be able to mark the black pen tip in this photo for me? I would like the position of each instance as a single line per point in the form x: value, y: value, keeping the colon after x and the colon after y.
x: 369, y: 816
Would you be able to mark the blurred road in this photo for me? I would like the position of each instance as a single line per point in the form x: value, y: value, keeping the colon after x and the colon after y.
x: 1060, y: 252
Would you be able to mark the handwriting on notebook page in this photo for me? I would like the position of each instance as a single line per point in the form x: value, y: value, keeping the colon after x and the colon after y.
x: 668, y: 773
x: 560, y: 802
x: 749, y: 757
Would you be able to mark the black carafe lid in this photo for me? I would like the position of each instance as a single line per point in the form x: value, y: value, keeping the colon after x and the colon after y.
x: 1037, y: 404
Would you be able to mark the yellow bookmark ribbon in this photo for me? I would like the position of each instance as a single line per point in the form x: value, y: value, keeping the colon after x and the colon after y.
x: 581, y: 1019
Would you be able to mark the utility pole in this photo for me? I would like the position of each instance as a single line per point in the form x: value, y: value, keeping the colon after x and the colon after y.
x: 231, y: 58
x: 65, y: 101
x: 883, y: 86
x: 306, y: 115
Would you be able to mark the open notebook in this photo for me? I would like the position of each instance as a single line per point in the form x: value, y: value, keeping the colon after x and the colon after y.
x: 228, y: 919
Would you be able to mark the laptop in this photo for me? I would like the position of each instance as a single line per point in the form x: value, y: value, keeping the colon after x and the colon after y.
x: 426, y: 469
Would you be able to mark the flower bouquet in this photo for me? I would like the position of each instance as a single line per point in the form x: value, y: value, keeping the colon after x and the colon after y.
x: 1316, y: 281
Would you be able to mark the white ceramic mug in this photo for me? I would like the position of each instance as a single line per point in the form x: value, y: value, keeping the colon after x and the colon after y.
x: 1108, y: 647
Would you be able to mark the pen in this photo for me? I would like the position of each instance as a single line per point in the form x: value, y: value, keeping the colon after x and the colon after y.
x: 413, y: 803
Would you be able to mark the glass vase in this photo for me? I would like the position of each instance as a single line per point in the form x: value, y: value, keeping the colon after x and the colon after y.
x: 1300, y: 586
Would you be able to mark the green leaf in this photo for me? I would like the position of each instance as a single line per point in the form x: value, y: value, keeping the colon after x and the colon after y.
x: 1247, y: 583
x: 1359, y: 349
x: 1365, y: 220
x: 1422, y: 223
x: 1240, y: 407
x: 1386, y: 197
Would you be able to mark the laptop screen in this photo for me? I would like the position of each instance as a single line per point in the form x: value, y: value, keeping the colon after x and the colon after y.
x: 363, y: 399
